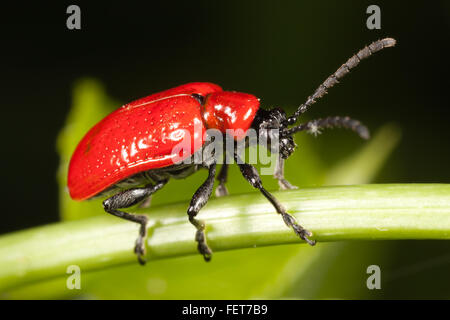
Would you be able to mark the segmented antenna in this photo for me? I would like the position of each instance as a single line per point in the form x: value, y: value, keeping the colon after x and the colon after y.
x: 314, y: 126
x: 340, y: 73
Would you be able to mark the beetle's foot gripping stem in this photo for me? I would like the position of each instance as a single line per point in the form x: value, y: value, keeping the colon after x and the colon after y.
x: 251, y: 175
x: 202, y: 246
x: 279, y: 175
x: 285, y: 185
x: 139, y: 248
x: 200, y: 237
x: 200, y: 198
x: 298, y: 229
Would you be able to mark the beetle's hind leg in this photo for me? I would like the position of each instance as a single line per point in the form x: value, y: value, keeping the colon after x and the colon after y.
x: 279, y: 175
x: 129, y: 198
x: 251, y: 175
x: 200, y: 198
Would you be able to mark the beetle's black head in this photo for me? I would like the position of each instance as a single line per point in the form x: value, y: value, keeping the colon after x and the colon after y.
x: 270, y: 125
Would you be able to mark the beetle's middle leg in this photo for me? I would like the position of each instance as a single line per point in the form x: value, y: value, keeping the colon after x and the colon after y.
x: 129, y: 198
x: 221, y: 189
x: 251, y: 175
x: 279, y: 175
x: 146, y: 203
x: 200, y: 198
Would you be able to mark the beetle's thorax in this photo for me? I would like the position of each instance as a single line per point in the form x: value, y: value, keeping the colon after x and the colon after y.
x: 230, y: 112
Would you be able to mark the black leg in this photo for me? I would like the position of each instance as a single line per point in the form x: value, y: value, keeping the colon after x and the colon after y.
x: 221, y: 189
x: 251, y: 175
x: 127, y: 199
x: 279, y: 175
x: 200, y: 198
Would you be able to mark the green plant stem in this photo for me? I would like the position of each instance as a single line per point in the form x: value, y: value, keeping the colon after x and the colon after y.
x: 408, y: 211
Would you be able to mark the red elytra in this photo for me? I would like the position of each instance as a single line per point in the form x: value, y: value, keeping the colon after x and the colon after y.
x: 142, y: 134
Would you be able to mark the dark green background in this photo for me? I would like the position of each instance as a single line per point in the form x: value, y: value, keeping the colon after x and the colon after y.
x: 278, y: 50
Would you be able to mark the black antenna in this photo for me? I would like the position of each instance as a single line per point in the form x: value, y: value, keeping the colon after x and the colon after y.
x: 340, y: 73
x: 314, y: 126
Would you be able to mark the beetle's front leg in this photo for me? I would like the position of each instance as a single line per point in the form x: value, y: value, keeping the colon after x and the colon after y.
x: 279, y: 175
x: 129, y: 198
x: 251, y: 175
x: 200, y: 198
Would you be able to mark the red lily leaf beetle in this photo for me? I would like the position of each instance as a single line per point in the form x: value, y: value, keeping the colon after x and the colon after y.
x: 128, y: 155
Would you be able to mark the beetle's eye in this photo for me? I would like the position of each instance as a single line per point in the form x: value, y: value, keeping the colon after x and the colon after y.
x: 199, y: 98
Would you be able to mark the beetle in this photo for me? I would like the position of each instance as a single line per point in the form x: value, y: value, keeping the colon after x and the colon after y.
x: 128, y: 156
